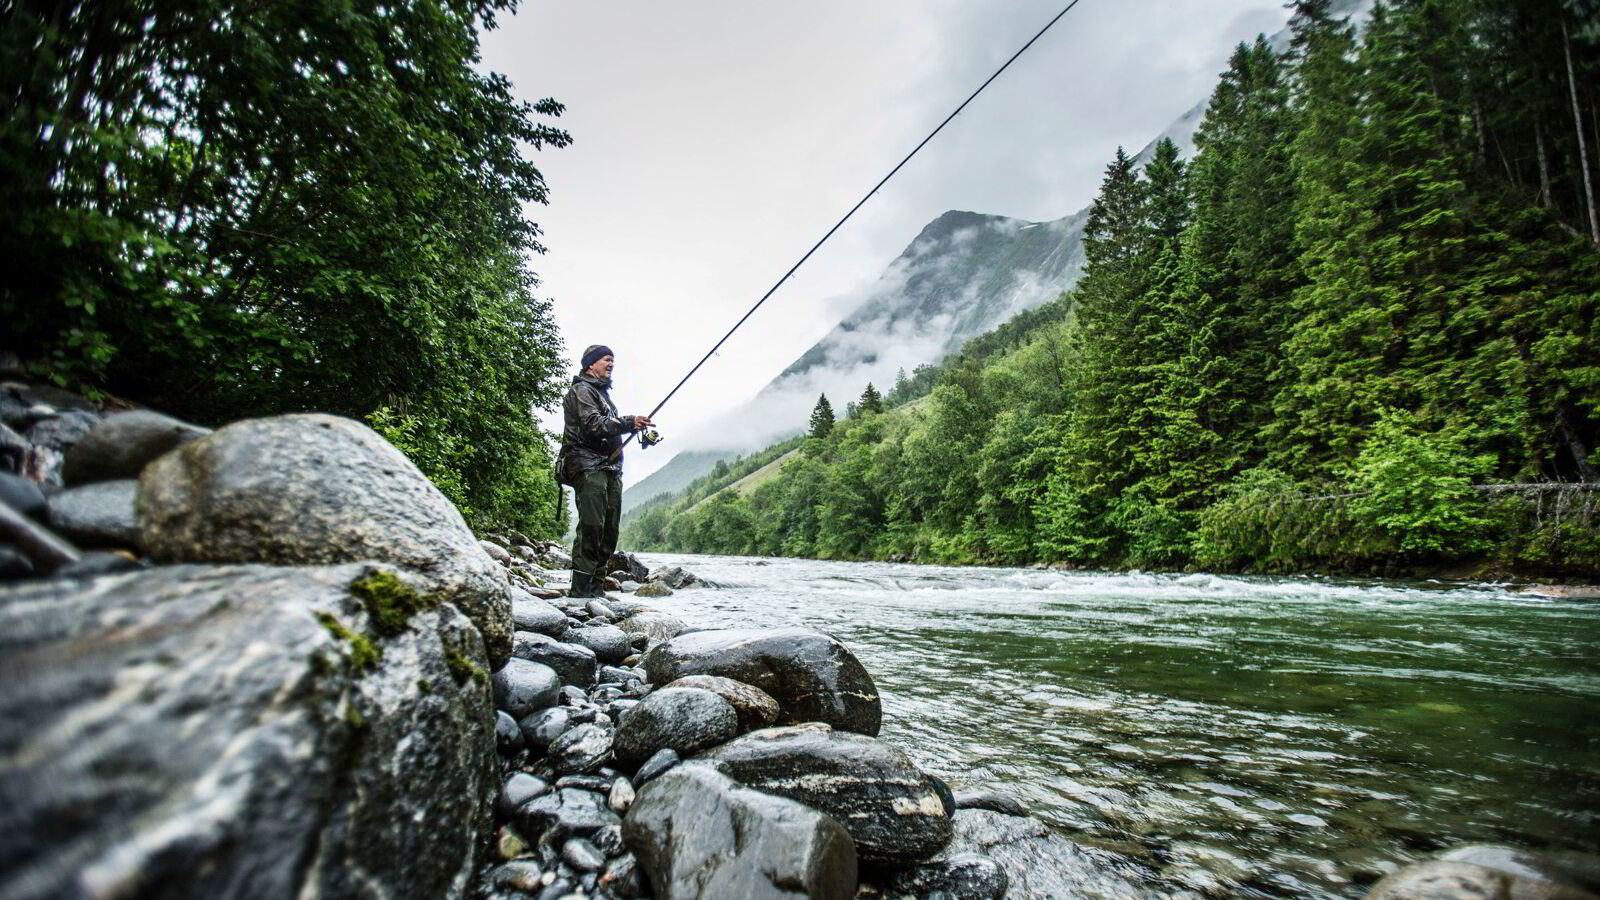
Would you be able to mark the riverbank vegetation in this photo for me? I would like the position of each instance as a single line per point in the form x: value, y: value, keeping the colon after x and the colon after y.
x: 228, y: 211
x: 1357, y: 331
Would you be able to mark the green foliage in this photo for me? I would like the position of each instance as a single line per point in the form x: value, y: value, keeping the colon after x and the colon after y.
x: 229, y: 211
x: 821, y: 418
x: 1306, y: 348
x: 1416, y: 489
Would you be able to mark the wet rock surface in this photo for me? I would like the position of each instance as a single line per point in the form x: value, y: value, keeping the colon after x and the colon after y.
x: 889, y: 807
x: 574, y: 663
x: 685, y: 720
x: 219, y: 727
x: 264, y: 490
x: 96, y: 515
x: 754, y: 707
x: 121, y: 445
x: 813, y: 677
x: 700, y: 836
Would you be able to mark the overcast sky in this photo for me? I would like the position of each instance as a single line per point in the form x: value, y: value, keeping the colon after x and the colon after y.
x: 716, y: 140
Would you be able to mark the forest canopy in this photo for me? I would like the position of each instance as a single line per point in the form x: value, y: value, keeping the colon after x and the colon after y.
x: 225, y: 210
x: 1358, y: 329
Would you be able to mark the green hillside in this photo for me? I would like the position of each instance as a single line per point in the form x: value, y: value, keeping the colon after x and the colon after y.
x: 1357, y: 332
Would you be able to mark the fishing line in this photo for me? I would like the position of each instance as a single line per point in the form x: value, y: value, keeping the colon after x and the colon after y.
x: 859, y: 203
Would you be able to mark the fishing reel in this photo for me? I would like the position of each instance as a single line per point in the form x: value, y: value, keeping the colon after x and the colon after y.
x: 650, y: 437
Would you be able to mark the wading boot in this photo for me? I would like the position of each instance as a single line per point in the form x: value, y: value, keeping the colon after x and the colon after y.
x: 583, y: 586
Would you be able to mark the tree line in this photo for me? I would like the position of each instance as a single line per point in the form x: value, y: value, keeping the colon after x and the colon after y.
x: 1356, y: 330
x: 226, y: 210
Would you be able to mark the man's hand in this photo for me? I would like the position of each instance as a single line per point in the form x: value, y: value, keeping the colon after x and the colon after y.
x: 641, y: 422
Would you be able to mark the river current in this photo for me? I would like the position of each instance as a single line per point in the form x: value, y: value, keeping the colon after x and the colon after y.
x: 1256, y: 737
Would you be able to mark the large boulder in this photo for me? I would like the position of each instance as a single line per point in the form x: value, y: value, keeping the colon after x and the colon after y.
x: 686, y: 720
x: 237, y: 732
x: 121, y: 445
x: 313, y: 489
x: 892, y: 810
x: 96, y: 515
x: 814, y: 677
x: 699, y: 836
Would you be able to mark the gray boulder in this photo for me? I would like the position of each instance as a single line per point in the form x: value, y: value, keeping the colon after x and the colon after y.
x: 96, y: 515
x: 122, y: 444
x: 699, y: 836
x: 609, y: 643
x: 653, y: 589
x: 522, y: 688
x: 22, y: 495
x: 686, y: 720
x: 310, y: 489
x: 813, y: 677
x: 656, y: 626
x: 892, y: 810
x: 673, y: 577
x: 574, y: 663
x: 627, y: 567
x: 755, y: 708
x: 529, y: 613
x: 237, y: 732
x: 48, y: 442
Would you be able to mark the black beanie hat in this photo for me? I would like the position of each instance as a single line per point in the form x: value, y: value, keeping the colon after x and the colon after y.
x: 594, y: 352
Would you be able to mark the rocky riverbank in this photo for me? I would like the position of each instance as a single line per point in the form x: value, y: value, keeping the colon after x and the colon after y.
x: 272, y: 660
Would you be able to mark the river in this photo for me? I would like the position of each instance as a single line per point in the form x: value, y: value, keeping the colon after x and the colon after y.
x: 1255, y: 737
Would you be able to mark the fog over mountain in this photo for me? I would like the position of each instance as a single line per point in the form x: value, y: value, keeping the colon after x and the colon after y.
x: 964, y: 274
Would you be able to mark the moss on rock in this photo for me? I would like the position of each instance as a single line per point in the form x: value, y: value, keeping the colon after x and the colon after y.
x: 390, y: 601
x: 364, y: 654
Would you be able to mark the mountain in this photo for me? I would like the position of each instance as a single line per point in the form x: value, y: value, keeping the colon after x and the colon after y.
x: 964, y: 274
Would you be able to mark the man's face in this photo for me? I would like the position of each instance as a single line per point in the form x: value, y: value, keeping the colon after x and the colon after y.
x: 602, y: 366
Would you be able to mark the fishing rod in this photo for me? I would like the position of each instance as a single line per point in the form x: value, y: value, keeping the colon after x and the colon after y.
x: 837, y: 225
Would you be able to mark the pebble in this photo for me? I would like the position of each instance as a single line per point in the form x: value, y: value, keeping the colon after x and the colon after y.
x: 582, y: 855
x: 609, y: 840
x: 519, y: 789
x: 621, y: 796
x: 597, y: 783
x: 546, y: 725
x: 663, y: 760
x: 583, y: 749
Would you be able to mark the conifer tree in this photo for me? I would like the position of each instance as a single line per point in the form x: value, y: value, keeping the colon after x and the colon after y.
x: 821, y: 418
x: 871, y: 401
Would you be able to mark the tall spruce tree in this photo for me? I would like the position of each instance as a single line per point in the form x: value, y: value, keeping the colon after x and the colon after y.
x: 871, y: 401
x: 821, y: 418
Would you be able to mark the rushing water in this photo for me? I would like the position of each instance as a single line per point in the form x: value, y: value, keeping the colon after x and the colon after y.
x: 1239, y: 736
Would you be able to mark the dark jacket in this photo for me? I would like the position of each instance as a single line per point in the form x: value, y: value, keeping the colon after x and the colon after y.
x: 593, y: 431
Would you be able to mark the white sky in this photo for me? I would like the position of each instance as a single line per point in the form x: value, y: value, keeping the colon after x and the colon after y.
x: 716, y: 140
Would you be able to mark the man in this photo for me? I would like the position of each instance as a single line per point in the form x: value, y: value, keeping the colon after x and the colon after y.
x: 591, y: 443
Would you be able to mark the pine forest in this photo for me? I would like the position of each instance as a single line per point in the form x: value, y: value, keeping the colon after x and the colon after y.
x: 1356, y: 331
